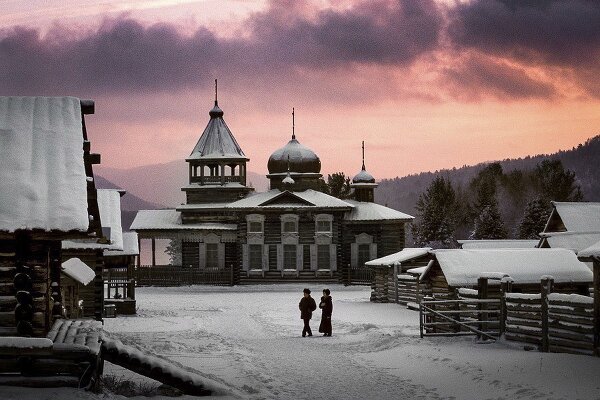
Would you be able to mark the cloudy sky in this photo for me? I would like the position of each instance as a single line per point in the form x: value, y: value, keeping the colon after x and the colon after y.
x: 427, y: 84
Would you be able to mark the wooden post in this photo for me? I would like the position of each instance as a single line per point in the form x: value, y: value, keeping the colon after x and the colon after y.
x: 506, y: 287
x: 231, y: 281
x: 139, y: 256
x: 396, y: 265
x: 596, y: 307
x: 546, y: 289
x: 153, y: 252
x: 482, y: 294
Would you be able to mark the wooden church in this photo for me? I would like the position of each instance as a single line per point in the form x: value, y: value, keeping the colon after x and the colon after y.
x: 292, y: 232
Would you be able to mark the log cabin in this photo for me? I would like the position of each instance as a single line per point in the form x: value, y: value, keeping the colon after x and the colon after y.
x: 292, y: 232
x: 48, y: 196
x: 454, y: 269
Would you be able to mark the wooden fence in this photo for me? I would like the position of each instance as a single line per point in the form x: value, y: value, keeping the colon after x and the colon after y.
x: 555, y: 322
x: 170, y: 275
x: 459, y: 317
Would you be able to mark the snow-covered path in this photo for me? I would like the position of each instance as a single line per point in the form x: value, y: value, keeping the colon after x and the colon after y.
x: 249, y: 338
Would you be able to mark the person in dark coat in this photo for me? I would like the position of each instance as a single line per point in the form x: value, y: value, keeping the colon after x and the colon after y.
x: 326, y: 306
x: 307, y: 306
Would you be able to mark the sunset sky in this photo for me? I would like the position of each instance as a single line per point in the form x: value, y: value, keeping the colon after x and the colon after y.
x: 427, y: 84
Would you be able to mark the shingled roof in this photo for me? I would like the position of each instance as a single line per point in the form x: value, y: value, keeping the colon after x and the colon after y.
x: 217, y: 141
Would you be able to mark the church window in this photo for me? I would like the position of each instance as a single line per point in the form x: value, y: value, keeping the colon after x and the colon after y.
x: 323, y: 256
x: 289, y: 256
x: 255, y: 227
x: 290, y: 227
x: 255, y: 259
x: 212, y: 255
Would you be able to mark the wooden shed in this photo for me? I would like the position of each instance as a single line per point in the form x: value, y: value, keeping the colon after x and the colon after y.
x: 391, y: 282
x: 454, y: 269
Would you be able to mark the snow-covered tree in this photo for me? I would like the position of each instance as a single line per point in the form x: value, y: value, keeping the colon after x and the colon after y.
x: 436, y: 214
x: 556, y: 183
x: 174, y: 250
x: 489, y: 224
x: 534, y: 219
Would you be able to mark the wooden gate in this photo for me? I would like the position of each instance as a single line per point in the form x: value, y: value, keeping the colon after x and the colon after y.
x: 460, y: 317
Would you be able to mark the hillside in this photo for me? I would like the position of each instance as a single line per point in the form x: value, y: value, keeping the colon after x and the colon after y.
x: 402, y: 193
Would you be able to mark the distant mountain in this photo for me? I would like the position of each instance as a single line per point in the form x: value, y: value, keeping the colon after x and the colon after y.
x: 584, y: 160
x: 161, y: 183
x: 130, y: 204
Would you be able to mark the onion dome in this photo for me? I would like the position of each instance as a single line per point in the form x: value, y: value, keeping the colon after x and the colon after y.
x: 301, y: 159
x: 363, y: 177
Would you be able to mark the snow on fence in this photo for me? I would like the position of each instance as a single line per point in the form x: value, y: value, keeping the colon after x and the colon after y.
x: 554, y: 322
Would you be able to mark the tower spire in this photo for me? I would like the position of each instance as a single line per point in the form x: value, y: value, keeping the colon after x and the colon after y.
x: 216, y: 94
x: 363, y: 155
x: 293, y: 124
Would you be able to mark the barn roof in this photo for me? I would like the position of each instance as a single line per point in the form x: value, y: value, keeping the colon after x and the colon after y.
x: 78, y: 271
x: 399, y: 257
x: 574, y: 241
x: 577, y: 216
x: 171, y: 220
x: 109, y: 204
x: 525, y: 266
x: 217, y: 141
x: 366, y: 211
x: 498, y: 244
x: 42, y: 172
x: 592, y: 251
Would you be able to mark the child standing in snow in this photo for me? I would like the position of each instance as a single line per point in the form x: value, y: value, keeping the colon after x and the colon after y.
x: 307, y: 306
x: 326, y: 305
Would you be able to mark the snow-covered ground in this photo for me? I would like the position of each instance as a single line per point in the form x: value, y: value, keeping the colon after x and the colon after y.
x: 248, y: 338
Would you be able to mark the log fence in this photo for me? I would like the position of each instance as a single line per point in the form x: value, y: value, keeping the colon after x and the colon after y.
x: 169, y: 275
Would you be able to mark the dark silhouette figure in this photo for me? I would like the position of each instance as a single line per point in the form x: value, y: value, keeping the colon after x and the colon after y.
x: 326, y: 306
x: 307, y: 306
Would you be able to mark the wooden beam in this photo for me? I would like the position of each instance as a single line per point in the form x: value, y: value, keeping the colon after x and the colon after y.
x: 87, y: 107
x: 596, y: 307
x: 153, y: 252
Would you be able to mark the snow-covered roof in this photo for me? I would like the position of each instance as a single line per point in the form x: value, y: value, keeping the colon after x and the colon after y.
x: 364, y: 211
x: 130, y: 246
x: 525, y: 266
x: 171, y: 220
x: 574, y: 241
x: 592, y: 251
x: 217, y: 141
x: 498, y: 244
x: 109, y: 205
x: 579, y: 216
x: 42, y: 172
x: 399, y: 257
x: 278, y: 199
x: 78, y: 271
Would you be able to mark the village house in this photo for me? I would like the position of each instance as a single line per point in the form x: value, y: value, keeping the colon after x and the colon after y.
x: 294, y: 231
x: 572, y: 225
x: 48, y: 196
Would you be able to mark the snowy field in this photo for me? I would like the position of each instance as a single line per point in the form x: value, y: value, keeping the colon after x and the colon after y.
x: 248, y: 339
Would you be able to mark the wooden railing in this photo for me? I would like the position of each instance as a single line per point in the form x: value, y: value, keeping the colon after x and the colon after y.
x: 216, y: 179
x: 360, y: 276
x: 170, y: 275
